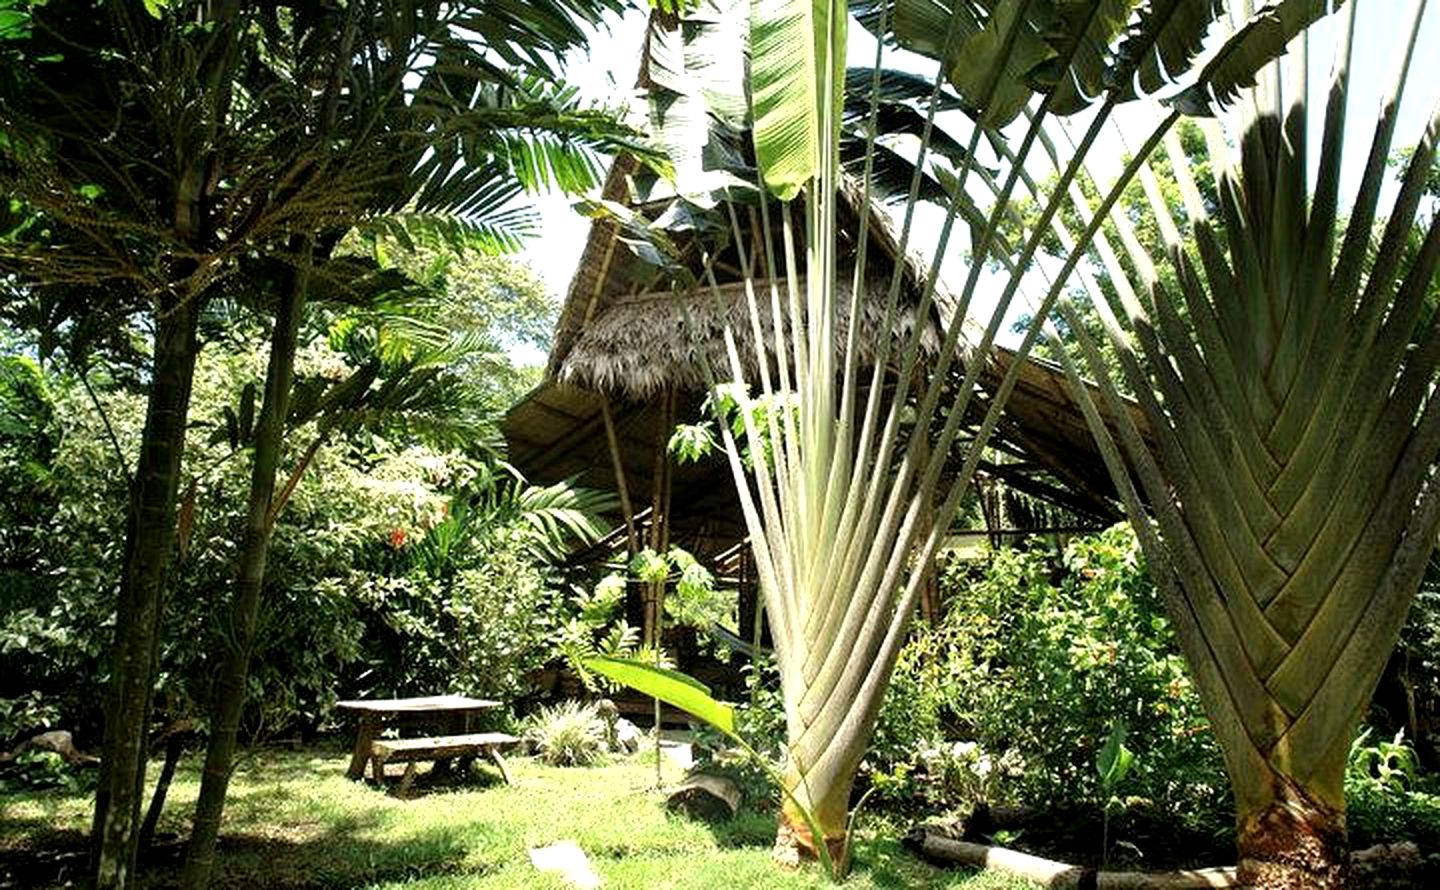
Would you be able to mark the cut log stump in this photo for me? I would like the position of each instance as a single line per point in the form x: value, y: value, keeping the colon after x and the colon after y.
x: 706, y: 797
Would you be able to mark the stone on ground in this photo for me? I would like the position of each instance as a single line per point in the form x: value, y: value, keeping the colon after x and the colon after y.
x: 569, y: 861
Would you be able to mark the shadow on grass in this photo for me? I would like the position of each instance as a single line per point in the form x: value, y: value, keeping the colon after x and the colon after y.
x: 344, y: 853
x: 51, y: 857
x: 880, y: 857
x: 749, y: 828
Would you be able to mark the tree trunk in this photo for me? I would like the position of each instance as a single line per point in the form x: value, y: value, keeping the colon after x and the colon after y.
x: 1292, y: 840
x: 794, y: 842
x: 150, y: 534
x: 174, y: 747
x: 229, y: 691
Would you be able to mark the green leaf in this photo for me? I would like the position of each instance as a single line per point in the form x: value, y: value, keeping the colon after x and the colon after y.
x: 14, y: 24
x: 649, y: 566
x: 791, y: 80
x: 671, y: 687
x: 1262, y: 40
x: 1081, y: 33
x: 155, y: 7
x: 699, y: 106
x: 982, y: 57
x: 1114, y: 761
x: 692, y: 442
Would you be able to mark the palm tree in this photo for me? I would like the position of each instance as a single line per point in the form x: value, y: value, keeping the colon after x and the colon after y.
x: 1289, y: 508
x: 838, y: 494
x: 162, y: 146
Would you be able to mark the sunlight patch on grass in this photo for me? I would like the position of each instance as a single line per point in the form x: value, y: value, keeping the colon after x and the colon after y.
x: 294, y: 821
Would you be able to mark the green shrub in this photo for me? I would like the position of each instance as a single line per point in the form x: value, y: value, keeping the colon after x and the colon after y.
x: 36, y: 770
x: 760, y: 720
x: 347, y: 612
x: 1386, y: 796
x: 570, y: 733
x: 1038, y: 657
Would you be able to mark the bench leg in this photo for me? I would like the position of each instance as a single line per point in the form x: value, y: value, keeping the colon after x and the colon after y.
x: 403, y: 790
x: 377, y: 766
x: 494, y: 755
x: 364, y: 736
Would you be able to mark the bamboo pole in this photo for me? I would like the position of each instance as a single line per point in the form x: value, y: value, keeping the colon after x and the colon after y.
x: 632, y: 537
x: 659, y: 542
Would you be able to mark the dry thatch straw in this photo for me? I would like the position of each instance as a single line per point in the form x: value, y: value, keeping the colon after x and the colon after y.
x: 631, y: 342
x: 643, y: 344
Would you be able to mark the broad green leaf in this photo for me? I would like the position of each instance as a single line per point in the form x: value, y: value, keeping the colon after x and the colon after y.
x: 921, y: 26
x: 699, y: 107
x: 1114, y: 761
x: 14, y: 24
x: 1160, y: 44
x: 1260, y: 42
x: 671, y: 687
x: 978, y: 60
x: 797, y: 66
x: 1081, y: 33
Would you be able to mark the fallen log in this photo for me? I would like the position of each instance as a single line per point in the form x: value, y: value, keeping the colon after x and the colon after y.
x: 706, y: 797
x: 58, y: 741
x: 1062, y: 875
x: 1381, y: 866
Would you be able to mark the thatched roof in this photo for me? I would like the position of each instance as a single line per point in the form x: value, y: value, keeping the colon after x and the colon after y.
x: 639, y: 345
x: 620, y: 333
x: 621, y: 340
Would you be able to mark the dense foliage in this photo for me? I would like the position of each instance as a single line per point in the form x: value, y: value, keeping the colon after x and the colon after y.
x: 1039, y: 656
x: 1082, y: 640
x: 357, y: 599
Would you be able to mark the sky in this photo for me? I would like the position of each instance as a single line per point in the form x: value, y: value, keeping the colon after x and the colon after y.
x: 607, y: 74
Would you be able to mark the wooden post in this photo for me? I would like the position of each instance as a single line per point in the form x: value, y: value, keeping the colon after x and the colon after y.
x: 659, y: 537
x: 366, y: 733
x: 632, y: 537
x: 659, y: 542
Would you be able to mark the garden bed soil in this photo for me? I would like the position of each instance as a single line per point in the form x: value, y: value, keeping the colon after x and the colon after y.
x: 1140, y: 840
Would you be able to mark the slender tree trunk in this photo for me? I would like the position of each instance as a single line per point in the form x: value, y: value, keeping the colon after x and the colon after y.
x: 150, y: 534
x: 229, y: 690
x: 174, y: 747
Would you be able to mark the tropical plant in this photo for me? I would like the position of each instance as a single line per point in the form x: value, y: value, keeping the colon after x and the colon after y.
x: 1387, y: 797
x: 1113, y: 764
x: 568, y: 734
x: 1082, y: 638
x: 1287, y: 506
x: 250, y: 135
x: 694, y: 698
x: 836, y: 496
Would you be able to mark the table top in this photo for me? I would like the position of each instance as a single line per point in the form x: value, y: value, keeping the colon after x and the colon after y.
x: 423, y: 704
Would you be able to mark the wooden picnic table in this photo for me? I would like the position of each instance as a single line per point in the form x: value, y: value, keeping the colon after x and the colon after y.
x: 376, y: 713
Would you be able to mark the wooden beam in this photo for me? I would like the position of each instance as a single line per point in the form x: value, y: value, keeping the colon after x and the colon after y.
x: 631, y: 538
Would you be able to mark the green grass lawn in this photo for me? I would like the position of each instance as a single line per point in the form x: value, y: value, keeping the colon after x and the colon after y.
x: 293, y: 820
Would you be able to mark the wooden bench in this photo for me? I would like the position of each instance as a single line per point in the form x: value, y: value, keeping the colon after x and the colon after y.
x: 409, y: 751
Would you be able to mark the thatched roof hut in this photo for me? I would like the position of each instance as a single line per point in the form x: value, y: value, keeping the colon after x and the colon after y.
x: 623, y: 346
